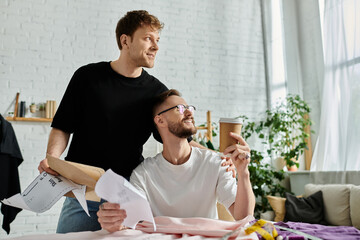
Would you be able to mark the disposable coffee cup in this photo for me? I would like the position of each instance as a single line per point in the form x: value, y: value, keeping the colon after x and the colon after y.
x: 228, y: 125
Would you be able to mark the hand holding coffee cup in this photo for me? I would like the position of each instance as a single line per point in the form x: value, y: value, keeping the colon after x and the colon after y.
x: 239, y: 153
x: 232, y: 144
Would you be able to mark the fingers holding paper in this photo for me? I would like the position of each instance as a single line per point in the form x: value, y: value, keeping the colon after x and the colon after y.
x: 111, y: 216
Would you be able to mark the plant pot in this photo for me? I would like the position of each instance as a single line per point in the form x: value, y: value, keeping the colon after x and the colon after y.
x: 293, y: 168
x: 279, y: 163
x: 32, y: 108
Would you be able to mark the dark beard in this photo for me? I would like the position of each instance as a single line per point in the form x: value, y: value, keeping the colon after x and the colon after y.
x: 178, y: 130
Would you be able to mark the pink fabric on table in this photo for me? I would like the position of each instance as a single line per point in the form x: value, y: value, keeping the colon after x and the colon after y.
x: 197, y: 226
x: 99, y: 235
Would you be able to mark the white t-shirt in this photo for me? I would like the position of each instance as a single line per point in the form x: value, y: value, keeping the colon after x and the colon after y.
x: 188, y: 190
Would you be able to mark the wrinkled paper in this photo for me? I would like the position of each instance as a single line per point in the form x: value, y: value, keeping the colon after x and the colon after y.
x: 44, y: 192
x: 116, y: 189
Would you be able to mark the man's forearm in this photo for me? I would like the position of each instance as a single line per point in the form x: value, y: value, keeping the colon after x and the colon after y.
x: 245, y: 200
x: 57, y: 143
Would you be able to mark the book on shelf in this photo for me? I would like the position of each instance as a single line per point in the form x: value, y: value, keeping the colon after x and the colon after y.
x: 50, y: 108
x: 53, y: 108
x: 47, y: 109
x: 22, y: 109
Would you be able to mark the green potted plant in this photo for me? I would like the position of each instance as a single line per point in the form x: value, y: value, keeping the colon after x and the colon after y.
x: 32, y: 107
x: 285, y: 129
x: 42, y: 107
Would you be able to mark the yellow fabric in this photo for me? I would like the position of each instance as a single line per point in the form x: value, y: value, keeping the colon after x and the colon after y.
x: 259, y: 230
x: 257, y: 227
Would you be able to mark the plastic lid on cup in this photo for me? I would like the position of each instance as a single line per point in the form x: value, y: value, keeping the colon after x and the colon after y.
x: 231, y: 120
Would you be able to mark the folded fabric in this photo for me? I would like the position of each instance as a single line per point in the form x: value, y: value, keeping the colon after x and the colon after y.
x: 309, y: 210
x: 197, y: 226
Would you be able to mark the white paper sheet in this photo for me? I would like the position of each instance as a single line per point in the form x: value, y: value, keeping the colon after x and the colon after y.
x: 116, y: 189
x: 79, y: 193
x: 44, y: 192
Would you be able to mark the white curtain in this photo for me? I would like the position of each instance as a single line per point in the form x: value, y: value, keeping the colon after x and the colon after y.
x: 338, y: 144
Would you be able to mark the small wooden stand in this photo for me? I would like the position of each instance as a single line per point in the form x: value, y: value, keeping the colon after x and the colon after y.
x: 208, y: 127
x: 308, y: 152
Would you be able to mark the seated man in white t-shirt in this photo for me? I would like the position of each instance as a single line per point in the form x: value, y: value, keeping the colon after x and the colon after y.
x: 185, y: 181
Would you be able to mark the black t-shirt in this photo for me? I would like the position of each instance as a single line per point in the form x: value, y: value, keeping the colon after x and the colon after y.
x: 109, y: 115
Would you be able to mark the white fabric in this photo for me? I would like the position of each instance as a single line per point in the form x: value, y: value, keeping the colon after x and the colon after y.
x: 338, y: 144
x: 188, y: 190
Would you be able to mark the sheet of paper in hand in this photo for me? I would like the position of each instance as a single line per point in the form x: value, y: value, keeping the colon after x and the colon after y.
x: 44, y: 192
x: 116, y: 189
x: 75, y: 180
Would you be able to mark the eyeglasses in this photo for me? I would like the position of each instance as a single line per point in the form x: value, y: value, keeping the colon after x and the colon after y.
x: 181, y: 108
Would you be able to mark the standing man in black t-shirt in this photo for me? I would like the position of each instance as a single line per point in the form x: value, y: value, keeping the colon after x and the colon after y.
x: 107, y: 108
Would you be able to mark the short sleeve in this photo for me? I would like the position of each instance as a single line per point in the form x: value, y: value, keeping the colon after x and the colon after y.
x: 136, y: 180
x: 226, y: 187
x: 64, y: 118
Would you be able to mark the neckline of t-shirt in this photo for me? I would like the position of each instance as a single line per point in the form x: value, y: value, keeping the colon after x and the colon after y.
x: 185, y: 165
x: 118, y: 75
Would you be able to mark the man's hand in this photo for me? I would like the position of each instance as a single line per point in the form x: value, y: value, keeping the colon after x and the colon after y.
x: 240, y: 154
x: 111, y: 217
x: 44, y: 166
x: 229, y: 162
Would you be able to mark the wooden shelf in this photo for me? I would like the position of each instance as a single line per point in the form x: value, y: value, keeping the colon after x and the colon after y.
x: 25, y: 119
x: 29, y: 119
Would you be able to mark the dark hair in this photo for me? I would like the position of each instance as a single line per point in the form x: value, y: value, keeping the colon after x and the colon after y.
x: 162, y: 98
x: 132, y: 20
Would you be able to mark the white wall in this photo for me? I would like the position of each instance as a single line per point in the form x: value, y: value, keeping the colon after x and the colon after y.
x: 210, y: 50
